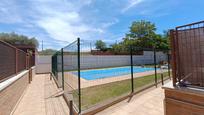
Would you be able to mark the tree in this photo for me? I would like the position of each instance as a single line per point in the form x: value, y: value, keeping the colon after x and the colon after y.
x: 100, y: 45
x: 141, y: 29
x: 14, y: 38
x: 142, y: 34
x: 47, y: 52
x: 161, y: 42
x: 118, y: 48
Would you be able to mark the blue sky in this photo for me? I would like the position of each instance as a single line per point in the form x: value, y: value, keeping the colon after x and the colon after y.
x: 59, y: 22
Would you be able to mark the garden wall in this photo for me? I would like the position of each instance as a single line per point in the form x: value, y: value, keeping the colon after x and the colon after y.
x: 43, y: 64
x: 100, y: 61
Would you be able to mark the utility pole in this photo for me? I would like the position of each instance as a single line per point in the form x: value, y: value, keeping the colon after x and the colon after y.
x: 90, y: 46
x: 42, y: 45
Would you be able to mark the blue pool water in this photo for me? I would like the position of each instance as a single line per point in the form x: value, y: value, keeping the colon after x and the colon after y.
x: 93, y: 74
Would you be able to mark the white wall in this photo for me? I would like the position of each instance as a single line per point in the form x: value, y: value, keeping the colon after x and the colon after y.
x: 99, y: 61
x: 43, y: 63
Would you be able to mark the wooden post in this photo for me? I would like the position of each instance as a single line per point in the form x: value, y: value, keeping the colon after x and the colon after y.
x: 16, y: 60
x: 173, y: 53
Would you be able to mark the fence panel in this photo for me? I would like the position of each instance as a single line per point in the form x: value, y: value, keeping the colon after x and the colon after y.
x: 7, y: 60
x: 12, y: 60
x: 163, y: 70
x: 71, y: 74
x: 94, y: 78
x: 147, y: 70
x: 21, y: 60
x: 31, y: 61
x: 104, y: 77
x: 57, y: 68
x: 188, y: 42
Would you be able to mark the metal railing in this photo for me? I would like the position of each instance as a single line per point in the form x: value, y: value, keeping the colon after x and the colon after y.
x: 187, y: 43
x: 12, y: 61
x: 94, y: 80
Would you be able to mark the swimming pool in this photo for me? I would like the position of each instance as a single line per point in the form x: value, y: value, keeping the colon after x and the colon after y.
x: 93, y: 74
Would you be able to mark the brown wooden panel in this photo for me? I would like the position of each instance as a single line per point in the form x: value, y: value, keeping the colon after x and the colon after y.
x: 187, y: 51
x: 175, y: 107
x: 185, y: 97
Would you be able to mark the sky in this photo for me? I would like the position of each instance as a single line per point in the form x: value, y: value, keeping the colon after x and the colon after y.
x: 60, y: 22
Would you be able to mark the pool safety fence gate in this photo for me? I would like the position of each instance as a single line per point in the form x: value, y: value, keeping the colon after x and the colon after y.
x: 97, y: 78
x: 187, y: 43
x: 12, y: 61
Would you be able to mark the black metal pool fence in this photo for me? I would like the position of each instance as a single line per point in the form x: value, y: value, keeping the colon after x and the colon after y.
x: 82, y: 72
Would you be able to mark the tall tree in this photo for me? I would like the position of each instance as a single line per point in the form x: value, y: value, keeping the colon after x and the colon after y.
x: 47, y: 52
x: 141, y: 29
x: 14, y: 38
x: 100, y: 45
x: 142, y: 33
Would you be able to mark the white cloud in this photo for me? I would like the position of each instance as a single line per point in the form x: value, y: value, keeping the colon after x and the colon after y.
x: 150, y: 8
x: 62, y: 20
x: 131, y: 3
x: 108, y: 24
x: 61, y: 29
x: 57, y: 23
x: 65, y: 20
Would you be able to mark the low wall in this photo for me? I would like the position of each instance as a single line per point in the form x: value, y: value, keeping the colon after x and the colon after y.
x: 100, y: 61
x: 43, y: 64
x: 11, y: 90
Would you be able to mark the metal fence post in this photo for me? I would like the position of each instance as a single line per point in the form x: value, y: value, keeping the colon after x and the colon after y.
x: 155, y: 67
x: 53, y: 72
x: 62, y: 68
x: 56, y: 65
x: 131, y: 60
x: 79, y: 76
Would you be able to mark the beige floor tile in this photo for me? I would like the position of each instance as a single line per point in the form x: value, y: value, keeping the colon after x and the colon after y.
x: 148, y: 103
x: 39, y: 98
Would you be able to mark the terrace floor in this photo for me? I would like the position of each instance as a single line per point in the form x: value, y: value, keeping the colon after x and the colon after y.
x: 42, y: 97
x: 148, y: 102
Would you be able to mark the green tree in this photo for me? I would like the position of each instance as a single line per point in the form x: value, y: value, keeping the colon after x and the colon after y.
x: 141, y: 29
x: 161, y: 42
x: 47, y: 52
x: 141, y: 34
x: 14, y: 38
x: 100, y: 45
x: 118, y: 48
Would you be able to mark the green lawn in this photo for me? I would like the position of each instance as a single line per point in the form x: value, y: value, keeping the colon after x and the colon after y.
x: 97, y: 94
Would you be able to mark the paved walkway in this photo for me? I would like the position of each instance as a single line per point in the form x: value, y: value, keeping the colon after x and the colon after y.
x: 149, y: 102
x: 42, y: 97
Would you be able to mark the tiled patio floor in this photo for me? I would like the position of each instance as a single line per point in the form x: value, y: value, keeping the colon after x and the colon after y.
x: 149, y: 102
x: 42, y: 97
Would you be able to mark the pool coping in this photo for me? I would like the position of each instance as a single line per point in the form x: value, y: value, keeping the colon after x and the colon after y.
x: 73, y: 79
